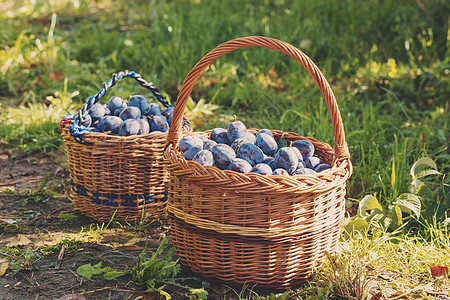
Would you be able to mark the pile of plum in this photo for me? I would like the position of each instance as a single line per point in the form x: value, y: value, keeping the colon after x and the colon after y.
x: 237, y: 149
x: 119, y: 117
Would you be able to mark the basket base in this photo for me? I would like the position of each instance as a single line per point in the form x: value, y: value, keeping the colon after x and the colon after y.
x: 259, y: 262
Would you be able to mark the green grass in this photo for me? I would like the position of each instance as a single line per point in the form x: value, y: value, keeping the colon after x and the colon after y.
x: 388, y: 63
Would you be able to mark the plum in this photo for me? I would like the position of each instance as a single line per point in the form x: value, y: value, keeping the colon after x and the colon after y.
x: 280, y: 171
x: 129, y: 127
x: 305, y: 147
x: 190, y: 141
x: 250, y: 137
x: 131, y: 112
x: 107, y: 110
x: 109, y: 123
x: 144, y: 127
x: 267, y: 144
x: 239, y: 165
x: 312, y: 162
x: 262, y: 169
x: 118, y: 111
x: 219, y: 135
x: 322, y: 167
x: 223, y: 155
x: 208, y: 144
x: 250, y: 153
x: 303, y: 171
x: 204, y: 157
x: 236, y: 130
x: 86, y: 121
x: 287, y: 159
x: 191, y: 152
x: 140, y: 102
x: 116, y: 102
x: 266, y: 131
x: 168, y: 113
x: 159, y: 123
x: 97, y: 111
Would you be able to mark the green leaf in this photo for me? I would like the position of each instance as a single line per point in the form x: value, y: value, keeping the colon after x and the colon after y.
x: 111, y: 275
x: 282, y: 142
x: 356, y: 225
x: 424, y: 173
x: 86, y: 270
x: 369, y: 202
x: 396, y: 216
x: 422, y: 162
x: 425, y: 192
x: 200, y: 293
x: 409, y: 203
x: 67, y: 217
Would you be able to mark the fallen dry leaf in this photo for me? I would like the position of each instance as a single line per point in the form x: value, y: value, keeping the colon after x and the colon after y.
x: 7, y: 221
x: 56, y: 76
x: 3, y: 267
x: 19, y: 240
x: 438, y: 271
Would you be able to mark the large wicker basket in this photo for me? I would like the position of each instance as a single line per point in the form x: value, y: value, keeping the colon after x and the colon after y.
x: 116, y: 176
x: 271, y: 231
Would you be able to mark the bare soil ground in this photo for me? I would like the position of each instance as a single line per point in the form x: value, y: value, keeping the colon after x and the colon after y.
x: 43, y: 218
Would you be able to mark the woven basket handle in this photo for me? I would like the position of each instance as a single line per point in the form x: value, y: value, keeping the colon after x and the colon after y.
x: 115, y: 78
x: 174, y: 135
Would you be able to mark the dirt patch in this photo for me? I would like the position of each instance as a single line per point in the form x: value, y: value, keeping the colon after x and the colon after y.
x: 34, y: 197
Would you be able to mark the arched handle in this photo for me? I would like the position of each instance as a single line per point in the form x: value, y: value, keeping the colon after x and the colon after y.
x: 174, y: 135
x: 77, y: 130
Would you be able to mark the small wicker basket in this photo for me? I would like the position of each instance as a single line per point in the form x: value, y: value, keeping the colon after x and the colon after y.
x: 271, y: 231
x: 116, y: 176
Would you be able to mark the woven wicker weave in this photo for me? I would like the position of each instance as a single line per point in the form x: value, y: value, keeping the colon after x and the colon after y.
x: 266, y: 230
x: 118, y: 176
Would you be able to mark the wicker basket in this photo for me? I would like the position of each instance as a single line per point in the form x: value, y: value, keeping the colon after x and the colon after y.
x: 271, y: 231
x: 116, y: 176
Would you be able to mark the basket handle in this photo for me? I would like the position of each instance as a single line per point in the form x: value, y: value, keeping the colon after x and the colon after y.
x: 77, y: 131
x: 340, y: 148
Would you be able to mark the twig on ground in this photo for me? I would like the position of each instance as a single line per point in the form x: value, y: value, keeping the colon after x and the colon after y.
x: 60, y: 255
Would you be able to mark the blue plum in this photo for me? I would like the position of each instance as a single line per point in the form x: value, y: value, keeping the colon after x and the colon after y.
x: 155, y: 110
x: 223, y: 155
x: 236, y: 130
x: 303, y: 171
x: 267, y: 144
x: 280, y: 171
x: 204, y: 157
x: 239, y: 165
x: 262, y: 169
x: 190, y: 141
x: 208, y: 144
x: 219, y: 135
x: 305, y: 147
x: 168, y: 113
x: 250, y: 153
x: 191, y: 152
x: 97, y: 111
x: 159, y: 123
x: 266, y: 131
x: 312, y: 162
x: 250, y: 137
x: 144, y: 127
x: 86, y: 121
x: 131, y: 112
x: 107, y: 110
x: 116, y: 102
x: 140, y: 102
x: 287, y: 159
x: 109, y: 123
x: 129, y: 127
x: 322, y: 167
x: 118, y: 111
